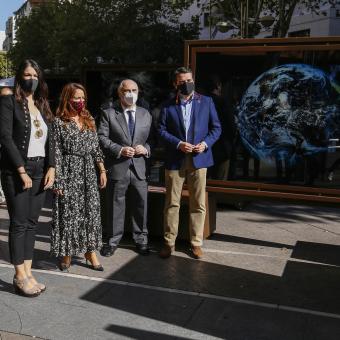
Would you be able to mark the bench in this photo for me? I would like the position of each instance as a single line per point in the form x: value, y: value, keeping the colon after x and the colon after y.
x: 262, y: 191
x: 156, y: 200
x: 232, y: 191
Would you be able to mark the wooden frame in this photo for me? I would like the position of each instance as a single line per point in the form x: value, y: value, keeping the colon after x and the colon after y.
x: 192, y: 47
x: 255, y: 190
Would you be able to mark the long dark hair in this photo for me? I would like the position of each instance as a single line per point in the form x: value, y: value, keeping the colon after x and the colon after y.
x: 40, y: 95
x: 65, y: 111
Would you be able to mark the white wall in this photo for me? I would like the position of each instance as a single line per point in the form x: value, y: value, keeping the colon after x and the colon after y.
x: 319, y: 25
x: 2, y: 39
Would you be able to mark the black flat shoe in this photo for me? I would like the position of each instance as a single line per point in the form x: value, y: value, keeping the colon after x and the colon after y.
x: 107, y: 250
x: 142, y: 249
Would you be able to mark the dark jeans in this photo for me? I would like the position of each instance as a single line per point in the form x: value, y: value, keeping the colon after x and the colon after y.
x: 24, y: 207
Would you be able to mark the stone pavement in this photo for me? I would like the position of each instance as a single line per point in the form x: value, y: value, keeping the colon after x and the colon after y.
x: 15, y: 336
x: 271, y: 271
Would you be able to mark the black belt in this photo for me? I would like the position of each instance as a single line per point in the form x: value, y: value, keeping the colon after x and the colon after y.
x: 35, y: 159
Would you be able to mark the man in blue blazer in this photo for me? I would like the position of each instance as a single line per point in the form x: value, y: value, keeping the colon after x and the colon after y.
x: 188, y: 126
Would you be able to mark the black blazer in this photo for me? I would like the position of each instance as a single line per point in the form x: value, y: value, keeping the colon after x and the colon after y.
x: 15, y: 133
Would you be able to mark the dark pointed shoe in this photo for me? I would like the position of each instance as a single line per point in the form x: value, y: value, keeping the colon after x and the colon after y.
x: 97, y: 267
x: 142, y: 249
x: 107, y: 250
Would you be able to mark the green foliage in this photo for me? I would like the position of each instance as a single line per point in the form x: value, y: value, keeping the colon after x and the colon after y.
x: 6, y: 70
x: 65, y: 35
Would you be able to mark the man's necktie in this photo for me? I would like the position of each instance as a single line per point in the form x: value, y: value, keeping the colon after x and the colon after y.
x: 131, y: 123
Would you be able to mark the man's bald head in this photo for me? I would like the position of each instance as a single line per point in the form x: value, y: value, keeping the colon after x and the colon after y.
x: 128, y: 92
x: 127, y: 84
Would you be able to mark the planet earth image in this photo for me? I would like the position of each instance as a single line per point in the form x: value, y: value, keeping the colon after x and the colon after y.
x: 289, y: 112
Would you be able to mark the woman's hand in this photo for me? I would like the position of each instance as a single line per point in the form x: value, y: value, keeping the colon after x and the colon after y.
x: 58, y: 192
x: 27, y: 181
x: 49, y: 178
x: 102, y: 180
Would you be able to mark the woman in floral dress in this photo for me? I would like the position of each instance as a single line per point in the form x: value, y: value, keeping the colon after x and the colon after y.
x: 76, y: 223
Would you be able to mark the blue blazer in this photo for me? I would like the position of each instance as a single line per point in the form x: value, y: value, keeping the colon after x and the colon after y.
x: 204, y: 126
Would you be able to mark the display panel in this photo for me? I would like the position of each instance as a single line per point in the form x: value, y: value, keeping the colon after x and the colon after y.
x: 285, y: 109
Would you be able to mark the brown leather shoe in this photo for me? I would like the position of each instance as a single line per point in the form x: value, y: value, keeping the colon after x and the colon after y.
x: 197, y: 252
x: 166, y: 251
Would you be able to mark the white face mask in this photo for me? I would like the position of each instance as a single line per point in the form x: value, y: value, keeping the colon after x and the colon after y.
x: 130, y: 98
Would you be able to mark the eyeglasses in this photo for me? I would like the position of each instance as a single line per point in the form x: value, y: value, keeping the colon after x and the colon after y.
x: 39, y: 132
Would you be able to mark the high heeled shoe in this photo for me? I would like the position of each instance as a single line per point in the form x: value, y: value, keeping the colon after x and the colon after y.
x: 20, y: 288
x: 97, y: 267
x: 40, y: 286
x: 65, y: 263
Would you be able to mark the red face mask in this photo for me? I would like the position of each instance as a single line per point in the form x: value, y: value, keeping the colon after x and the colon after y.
x: 78, y: 105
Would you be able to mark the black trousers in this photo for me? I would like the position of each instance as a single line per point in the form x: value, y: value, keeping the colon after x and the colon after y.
x: 24, y: 207
x: 130, y: 193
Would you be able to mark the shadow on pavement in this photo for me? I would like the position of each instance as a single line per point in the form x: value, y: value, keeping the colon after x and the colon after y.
x: 6, y: 287
x: 293, y: 213
x: 317, y: 252
x: 313, y: 286
x: 242, y: 240
x: 303, y: 285
x: 135, y: 333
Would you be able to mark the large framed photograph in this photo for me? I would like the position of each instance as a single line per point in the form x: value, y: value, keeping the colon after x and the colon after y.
x: 284, y: 97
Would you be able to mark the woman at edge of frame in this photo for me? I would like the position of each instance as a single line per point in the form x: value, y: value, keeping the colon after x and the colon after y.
x: 27, y: 168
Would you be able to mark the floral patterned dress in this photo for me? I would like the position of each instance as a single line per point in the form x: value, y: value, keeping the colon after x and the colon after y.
x: 76, y: 222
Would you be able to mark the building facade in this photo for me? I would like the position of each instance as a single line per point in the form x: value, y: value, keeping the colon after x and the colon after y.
x: 10, y: 33
x: 24, y: 10
x: 303, y: 23
x: 2, y: 39
x: 326, y: 23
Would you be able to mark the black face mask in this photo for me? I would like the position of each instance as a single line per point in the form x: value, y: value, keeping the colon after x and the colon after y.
x: 186, y: 88
x: 29, y: 85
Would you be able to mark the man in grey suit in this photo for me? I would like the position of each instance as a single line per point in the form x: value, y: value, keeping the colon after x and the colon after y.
x: 123, y: 133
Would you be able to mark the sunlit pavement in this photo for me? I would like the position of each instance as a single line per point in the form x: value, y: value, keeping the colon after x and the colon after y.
x: 270, y: 271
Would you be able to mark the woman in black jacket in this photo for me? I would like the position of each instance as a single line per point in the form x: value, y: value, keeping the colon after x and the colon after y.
x: 27, y: 168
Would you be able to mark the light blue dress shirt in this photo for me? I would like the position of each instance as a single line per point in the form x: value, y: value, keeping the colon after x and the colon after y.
x: 186, y: 107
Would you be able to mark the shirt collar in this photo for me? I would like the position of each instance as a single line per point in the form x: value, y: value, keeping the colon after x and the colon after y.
x: 132, y: 108
x: 186, y: 101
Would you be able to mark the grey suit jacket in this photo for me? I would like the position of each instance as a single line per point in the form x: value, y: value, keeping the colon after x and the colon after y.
x: 113, y: 134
